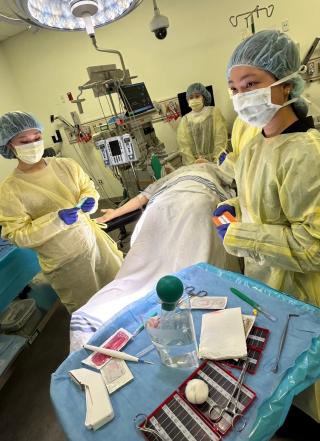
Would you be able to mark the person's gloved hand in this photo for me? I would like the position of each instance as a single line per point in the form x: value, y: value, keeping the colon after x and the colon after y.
x: 225, y: 207
x: 221, y: 230
x: 222, y: 157
x: 88, y: 205
x: 69, y: 215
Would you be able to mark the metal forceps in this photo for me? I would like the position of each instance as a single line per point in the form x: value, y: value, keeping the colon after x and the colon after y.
x: 231, y: 407
x: 190, y: 290
x: 142, y: 427
x: 281, y: 344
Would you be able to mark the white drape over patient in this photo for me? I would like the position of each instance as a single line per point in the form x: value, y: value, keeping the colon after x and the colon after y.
x: 175, y: 231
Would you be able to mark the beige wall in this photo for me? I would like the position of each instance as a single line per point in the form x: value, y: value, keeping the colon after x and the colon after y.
x: 47, y: 64
x: 9, y: 100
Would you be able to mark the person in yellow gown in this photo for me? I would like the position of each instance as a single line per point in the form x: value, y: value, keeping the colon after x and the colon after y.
x: 45, y: 205
x: 277, y: 176
x: 241, y: 134
x: 202, y: 133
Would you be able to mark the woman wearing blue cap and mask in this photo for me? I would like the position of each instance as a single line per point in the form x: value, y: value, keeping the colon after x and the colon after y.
x: 39, y: 209
x: 202, y: 133
x: 277, y: 175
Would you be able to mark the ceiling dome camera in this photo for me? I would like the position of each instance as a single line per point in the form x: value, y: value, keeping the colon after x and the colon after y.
x: 159, y: 24
x: 161, y: 33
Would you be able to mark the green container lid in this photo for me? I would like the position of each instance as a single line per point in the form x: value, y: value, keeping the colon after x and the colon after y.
x: 169, y: 290
x: 156, y: 166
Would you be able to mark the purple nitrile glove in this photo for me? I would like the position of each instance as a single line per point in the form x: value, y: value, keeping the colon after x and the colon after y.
x: 69, y: 215
x: 88, y: 205
x: 225, y: 207
x: 222, y: 157
x: 221, y: 230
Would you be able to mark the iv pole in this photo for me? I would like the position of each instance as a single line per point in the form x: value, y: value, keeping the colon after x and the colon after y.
x: 233, y: 19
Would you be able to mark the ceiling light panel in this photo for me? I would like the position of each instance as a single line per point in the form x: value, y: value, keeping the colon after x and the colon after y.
x: 57, y: 13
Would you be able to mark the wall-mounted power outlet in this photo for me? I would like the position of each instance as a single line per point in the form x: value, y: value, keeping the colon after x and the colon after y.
x: 100, y: 181
x: 71, y: 135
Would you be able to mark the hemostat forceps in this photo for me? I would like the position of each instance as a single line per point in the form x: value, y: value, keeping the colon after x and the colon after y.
x: 231, y: 407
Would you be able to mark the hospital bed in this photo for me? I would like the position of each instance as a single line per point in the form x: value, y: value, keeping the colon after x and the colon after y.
x: 123, y: 220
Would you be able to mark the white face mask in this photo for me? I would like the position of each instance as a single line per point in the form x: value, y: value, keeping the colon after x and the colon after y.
x: 196, y: 104
x: 256, y: 108
x: 30, y: 153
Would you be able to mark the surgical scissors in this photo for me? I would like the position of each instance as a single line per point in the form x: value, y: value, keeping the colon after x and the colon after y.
x: 231, y: 406
x: 190, y: 290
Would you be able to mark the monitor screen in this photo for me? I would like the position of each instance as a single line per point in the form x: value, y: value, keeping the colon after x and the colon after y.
x: 183, y: 103
x: 115, y: 148
x: 135, y: 98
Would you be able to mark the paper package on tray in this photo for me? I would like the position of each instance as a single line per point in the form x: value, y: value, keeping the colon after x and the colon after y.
x: 222, y: 335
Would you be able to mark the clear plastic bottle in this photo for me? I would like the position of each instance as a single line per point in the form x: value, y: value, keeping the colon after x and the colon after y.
x: 172, y: 331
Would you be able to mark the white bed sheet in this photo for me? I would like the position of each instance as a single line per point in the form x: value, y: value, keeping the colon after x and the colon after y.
x: 175, y: 231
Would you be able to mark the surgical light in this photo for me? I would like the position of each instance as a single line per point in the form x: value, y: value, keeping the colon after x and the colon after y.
x: 85, y: 9
x: 72, y: 14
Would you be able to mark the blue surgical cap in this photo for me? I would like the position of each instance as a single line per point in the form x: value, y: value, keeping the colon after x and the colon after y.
x: 199, y: 88
x: 276, y: 53
x: 11, y: 124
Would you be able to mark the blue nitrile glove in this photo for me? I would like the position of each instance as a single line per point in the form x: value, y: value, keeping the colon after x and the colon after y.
x: 225, y: 207
x: 222, y: 157
x: 69, y: 215
x: 221, y: 230
x: 88, y: 205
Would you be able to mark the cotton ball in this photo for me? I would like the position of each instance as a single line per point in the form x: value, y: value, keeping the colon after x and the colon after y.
x: 197, y: 391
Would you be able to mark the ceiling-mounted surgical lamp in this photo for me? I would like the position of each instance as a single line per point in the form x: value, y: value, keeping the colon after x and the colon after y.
x: 85, y: 10
x: 69, y: 15
x: 75, y: 15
